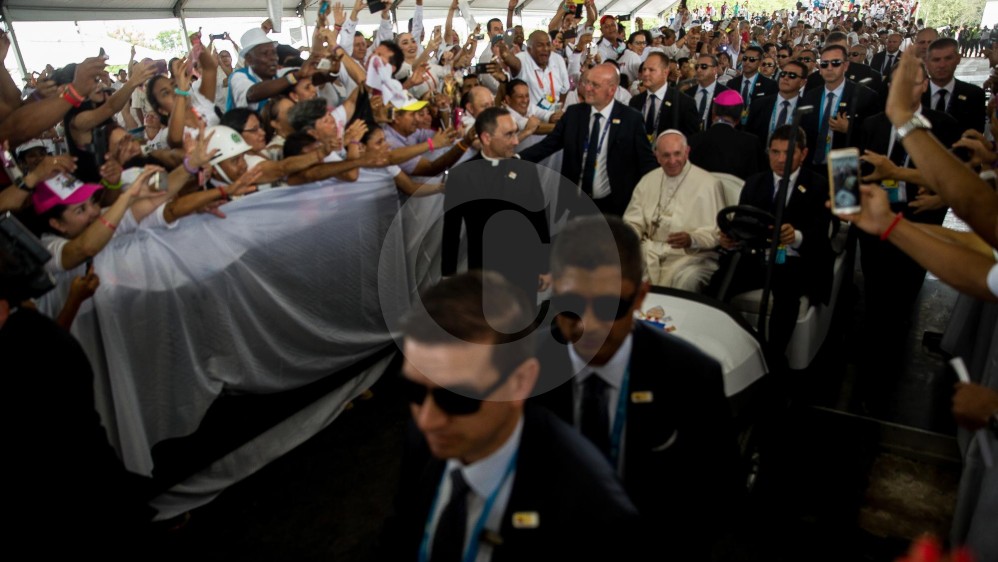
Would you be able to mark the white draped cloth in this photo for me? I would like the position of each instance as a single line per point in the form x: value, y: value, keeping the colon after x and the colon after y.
x: 663, y: 205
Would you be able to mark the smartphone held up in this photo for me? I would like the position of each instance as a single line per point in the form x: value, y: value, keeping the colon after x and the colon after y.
x: 843, y: 180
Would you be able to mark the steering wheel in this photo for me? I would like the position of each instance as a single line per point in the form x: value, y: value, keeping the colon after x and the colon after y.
x: 747, y: 224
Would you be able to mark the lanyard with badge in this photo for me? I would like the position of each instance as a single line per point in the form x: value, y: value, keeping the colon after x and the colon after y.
x: 599, y: 147
x: 821, y: 119
x: 470, y: 551
x: 546, y: 102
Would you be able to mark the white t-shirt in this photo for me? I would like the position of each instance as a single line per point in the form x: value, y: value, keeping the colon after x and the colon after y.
x: 546, y: 85
x: 630, y: 65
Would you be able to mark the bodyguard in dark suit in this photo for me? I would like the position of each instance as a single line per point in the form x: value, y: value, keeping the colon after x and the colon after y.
x: 653, y: 404
x: 669, y: 108
x: 884, y: 61
x: 478, y: 193
x: 750, y: 84
x: 856, y: 72
x: 965, y: 102
x: 770, y: 112
x: 838, y: 105
x: 804, y: 234
x: 707, y: 88
x: 722, y: 148
x: 608, y: 154
x: 488, y: 476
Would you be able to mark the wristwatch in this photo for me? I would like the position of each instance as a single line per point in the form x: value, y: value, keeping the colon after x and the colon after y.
x: 20, y: 183
x: 917, y: 121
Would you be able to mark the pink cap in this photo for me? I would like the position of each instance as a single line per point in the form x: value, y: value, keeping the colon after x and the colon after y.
x: 729, y: 98
x: 62, y: 190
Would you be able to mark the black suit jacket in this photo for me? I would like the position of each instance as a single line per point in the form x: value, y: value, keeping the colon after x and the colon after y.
x: 763, y: 87
x: 679, y: 111
x: 877, y: 137
x: 806, y: 212
x: 857, y: 100
x: 517, y: 243
x: 629, y: 155
x: 855, y: 73
x: 681, y: 463
x: 692, y: 93
x: 761, y: 115
x: 722, y: 148
x: 582, y: 510
x: 966, y: 104
x: 877, y: 63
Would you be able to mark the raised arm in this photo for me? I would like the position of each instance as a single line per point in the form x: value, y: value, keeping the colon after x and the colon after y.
x: 87, y: 120
x: 509, y: 13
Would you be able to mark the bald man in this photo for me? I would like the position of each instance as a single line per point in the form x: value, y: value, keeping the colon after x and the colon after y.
x: 544, y: 72
x: 605, y: 146
x: 674, y: 210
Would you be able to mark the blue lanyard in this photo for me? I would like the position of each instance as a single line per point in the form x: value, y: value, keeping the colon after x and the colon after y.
x: 619, y: 420
x: 470, y: 551
x: 599, y: 142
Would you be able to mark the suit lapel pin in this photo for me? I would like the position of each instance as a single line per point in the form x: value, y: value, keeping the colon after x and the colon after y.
x: 512, y: 175
x: 801, y: 189
x: 526, y: 520
x: 962, y: 97
x: 668, y: 104
x: 615, y: 121
x: 642, y: 397
x: 842, y: 104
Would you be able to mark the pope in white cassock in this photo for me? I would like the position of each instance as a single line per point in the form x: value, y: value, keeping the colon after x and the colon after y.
x: 674, y: 209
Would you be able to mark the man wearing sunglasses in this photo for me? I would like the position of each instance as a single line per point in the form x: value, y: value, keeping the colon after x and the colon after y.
x: 855, y: 72
x: 490, y: 479
x: 771, y: 112
x: 651, y: 402
x: 707, y: 88
x: 784, y: 54
x: 837, y: 102
x: 751, y: 84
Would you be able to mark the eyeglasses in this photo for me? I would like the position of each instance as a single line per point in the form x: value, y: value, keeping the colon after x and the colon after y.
x: 805, y: 59
x: 790, y: 75
x: 835, y: 63
x: 750, y: 59
x: 703, y: 66
x: 768, y: 64
x: 450, y: 402
x: 605, y: 308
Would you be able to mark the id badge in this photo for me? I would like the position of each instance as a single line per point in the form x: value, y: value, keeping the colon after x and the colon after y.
x: 544, y: 104
x: 895, y: 191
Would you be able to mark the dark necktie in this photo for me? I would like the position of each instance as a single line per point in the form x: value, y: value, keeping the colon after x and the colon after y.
x: 821, y: 150
x: 888, y: 64
x: 941, y: 104
x: 650, y: 116
x: 781, y: 119
x: 589, y: 166
x: 703, y: 106
x: 448, y: 541
x: 746, y: 83
x: 595, y: 424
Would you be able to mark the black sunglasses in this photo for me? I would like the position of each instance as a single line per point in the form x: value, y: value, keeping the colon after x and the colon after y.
x: 605, y: 308
x: 805, y: 59
x: 703, y: 66
x: 750, y: 59
x: 449, y: 402
x: 835, y: 63
x: 790, y: 75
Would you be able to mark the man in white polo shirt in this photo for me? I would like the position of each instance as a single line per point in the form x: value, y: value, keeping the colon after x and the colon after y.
x: 546, y: 76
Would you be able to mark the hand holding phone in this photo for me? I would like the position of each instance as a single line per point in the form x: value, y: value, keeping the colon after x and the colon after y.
x: 843, y: 180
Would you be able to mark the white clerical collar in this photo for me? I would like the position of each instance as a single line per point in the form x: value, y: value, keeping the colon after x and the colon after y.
x: 612, y: 372
x: 495, y: 161
x: 485, y: 475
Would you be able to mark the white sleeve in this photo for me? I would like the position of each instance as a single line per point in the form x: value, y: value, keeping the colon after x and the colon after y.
x: 54, y: 245
x: 384, y: 33
x: 417, y: 28
x: 156, y: 219
x: 346, y: 35
x: 239, y: 84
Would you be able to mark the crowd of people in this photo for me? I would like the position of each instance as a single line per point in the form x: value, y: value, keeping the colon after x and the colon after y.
x: 650, y: 123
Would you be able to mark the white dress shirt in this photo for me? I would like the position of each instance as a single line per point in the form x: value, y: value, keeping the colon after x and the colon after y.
x: 798, y: 235
x: 612, y: 373
x: 601, y: 181
x: 934, y: 91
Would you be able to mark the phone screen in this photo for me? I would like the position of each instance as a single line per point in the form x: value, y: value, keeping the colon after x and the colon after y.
x: 843, y: 182
x: 13, y: 171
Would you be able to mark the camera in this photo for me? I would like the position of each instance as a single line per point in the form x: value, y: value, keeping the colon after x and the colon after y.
x: 216, y: 36
x: 22, y: 262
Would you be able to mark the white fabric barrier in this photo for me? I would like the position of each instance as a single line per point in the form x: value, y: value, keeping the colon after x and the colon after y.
x: 281, y: 293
